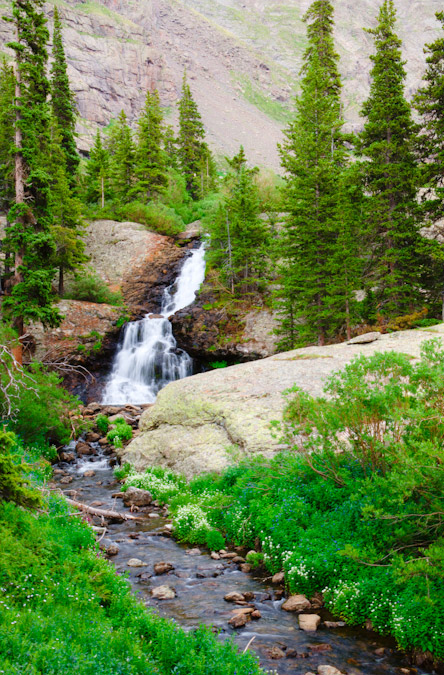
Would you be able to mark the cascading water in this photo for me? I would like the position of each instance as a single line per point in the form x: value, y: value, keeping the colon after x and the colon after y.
x: 148, y: 358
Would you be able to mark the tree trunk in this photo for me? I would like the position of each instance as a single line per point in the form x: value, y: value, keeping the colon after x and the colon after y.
x: 61, y: 281
x: 102, y: 185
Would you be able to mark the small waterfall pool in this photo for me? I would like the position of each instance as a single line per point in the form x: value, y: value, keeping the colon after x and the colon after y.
x: 147, y: 358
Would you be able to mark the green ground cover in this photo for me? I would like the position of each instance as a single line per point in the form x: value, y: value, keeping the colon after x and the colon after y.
x: 355, y: 509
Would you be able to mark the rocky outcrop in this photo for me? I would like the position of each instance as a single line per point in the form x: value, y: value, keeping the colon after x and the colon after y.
x: 204, y: 422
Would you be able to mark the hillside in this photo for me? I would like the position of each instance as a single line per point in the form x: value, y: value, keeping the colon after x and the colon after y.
x: 242, y: 57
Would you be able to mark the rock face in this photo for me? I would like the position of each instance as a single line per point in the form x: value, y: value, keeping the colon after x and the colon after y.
x: 203, y: 422
x: 242, y: 57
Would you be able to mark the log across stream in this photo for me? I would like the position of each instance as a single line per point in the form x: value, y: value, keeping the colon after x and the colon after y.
x: 200, y: 584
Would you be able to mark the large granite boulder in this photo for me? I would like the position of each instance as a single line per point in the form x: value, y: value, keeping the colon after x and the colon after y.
x: 202, y: 423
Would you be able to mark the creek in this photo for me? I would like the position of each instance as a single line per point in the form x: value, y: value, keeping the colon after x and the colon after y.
x: 201, y: 583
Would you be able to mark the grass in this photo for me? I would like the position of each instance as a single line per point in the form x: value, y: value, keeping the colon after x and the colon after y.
x: 256, y: 96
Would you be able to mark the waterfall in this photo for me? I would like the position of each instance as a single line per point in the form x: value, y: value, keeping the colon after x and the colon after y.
x: 148, y: 358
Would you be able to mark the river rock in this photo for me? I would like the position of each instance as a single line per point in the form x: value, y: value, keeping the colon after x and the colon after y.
x: 296, y: 603
x: 329, y: 670
x: 278, y: 578
x: 245, y: 568
x: 196, y: 419
x: 163, y: 593
x: 256, y: 615
x: 113, y: 549
x: 67, y: 457
x: 309, y: 622
x: 334, y: 624
x: 136, y: 562
x: 234, y: 597
x: 84, y: 449
x: 137, y: 497
x: 193, y: 551
x: 365, y: 339
x: 276, y: 653
x: 215, y: 556
x: 163, y: 568
x: 66, y: 480
x: 239, y: 620
x: 89, y: 474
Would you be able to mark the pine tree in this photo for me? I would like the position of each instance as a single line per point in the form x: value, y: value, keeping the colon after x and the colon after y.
x: 97, y: 173
x: 194, y: 155
x: 151, y: 161
x: 122, y: 167
x: 316, y: 294
x: 429, y: 102
x: 7, y: 116
x: 239, y: 237
x: 170, y: 147
x: 29, y: 235
x: 68, y: 230
x: 62, y: 101
x: 390, y: 174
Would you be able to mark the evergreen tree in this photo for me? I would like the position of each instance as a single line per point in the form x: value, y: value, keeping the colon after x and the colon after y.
x: 62, y: 101
x: 194, y: 155
x: 170, y: 147
x: 151, y: 161
x: 97, y: 173
x: 317, y: 279
x: 67, y: 212
x: 429, y: 102
x: 122, y: 166
x: 239, y: 237
x: 29, y: 236
x: 7, y: 116
x: 390, y: 174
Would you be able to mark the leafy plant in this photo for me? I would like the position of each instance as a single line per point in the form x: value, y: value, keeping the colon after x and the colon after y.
x: 89, y: 287
x: 102, y: 423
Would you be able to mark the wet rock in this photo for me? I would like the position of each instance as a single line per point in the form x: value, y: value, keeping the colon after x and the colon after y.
x: 245, y: 568
x: 215, y: 555
x: 248, y: 595
x: 163, y: 593
x: 279, y: 594
x: 320, y: 648
x: 144, y: 576
x: 334, y: 624
x: 137, y: 497
x: 92, y: 437
x: 136, y: 562
x: 234, y: 597
x: 256, y: 615
x: 380, y: 651
x: 296, y: 603
x: 193, y: 551
x: 113, y: 549
x: 97, y: 503
x: 276, y: 653
x: 228, y: 556
x: 278, y: 578
x: 238, y: 559
x: 66, y: 480
x: 83, y: 449
x: 291, y: 654
x: 317, y: 601
x: 153, y: 515
x: 328, y: 670
x: 103, y: 441
x: 67, y: 457
x: 89, y: 474
x: 239, y: 620
x: 117, y: 495
x: 59, y: 472
x: 309, y: 622
x: 243, y: 610
x: 163, y: 568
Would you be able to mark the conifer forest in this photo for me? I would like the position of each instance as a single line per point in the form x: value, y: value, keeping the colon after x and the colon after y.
x: 221, y: 379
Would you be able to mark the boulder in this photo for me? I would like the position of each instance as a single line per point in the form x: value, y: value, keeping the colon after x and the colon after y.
x: 296, y: 603
x: 163, y: 568
x: 309, y: 622
x: 67, y: 457
x: 278, y: 578
x: 239, y: 620
x: 365, y: 339
x: 195, y: 420
x: 163, y: 593
x: 112, y: 549
x: 137, y: 497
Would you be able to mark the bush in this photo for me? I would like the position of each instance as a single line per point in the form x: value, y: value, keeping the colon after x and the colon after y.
x: 89, y: 287
x: 155, y: 215
x: 121, y: 432
x: 102, y: 423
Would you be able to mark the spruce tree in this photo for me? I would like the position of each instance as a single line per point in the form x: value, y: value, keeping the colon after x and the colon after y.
x: 62, y: 101
x: 170, y: 147
x: 29, y: 236
x: 97, y: 173
x: 238, y: 236
x: 122, y: 166
x: 316, y: 294
x: 151, y: 176
x: 390, y: 174
x: 194, y: 155
x: 7, y: 117
x: 429, y: 102
x: 68, y: 227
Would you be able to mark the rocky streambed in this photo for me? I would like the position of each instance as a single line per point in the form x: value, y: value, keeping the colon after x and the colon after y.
x: 194, y: 586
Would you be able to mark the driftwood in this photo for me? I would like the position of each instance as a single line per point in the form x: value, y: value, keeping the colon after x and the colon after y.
x: 114, y: 515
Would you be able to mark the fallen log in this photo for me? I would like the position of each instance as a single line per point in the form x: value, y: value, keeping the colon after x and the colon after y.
x: 114, y: 515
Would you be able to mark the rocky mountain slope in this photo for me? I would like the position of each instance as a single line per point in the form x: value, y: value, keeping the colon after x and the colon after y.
x: 242, y: 57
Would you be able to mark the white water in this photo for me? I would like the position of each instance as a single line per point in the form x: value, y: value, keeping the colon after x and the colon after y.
x: 148, y: 358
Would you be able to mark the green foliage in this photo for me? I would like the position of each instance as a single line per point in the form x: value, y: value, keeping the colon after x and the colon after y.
x: 14, y: 487
x: 122, y: 472
x: 156, y: 216
x: 7, y: 91
x: 218, y: 364
x: 97, y: 173
x: 102, y: 423
x: 89, y: 287
x: 56, y: 587
x: 150, y: 167
x: 121, y: 432
x: 122, y: 169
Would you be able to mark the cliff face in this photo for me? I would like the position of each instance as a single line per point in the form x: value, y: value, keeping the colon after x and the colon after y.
x: 242, y: 57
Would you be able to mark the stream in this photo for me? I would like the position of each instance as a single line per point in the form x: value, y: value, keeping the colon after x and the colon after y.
x: 146, y: 360
x: 201, y: 584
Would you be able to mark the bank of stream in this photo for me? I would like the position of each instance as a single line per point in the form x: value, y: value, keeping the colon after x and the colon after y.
x: 200, y: 584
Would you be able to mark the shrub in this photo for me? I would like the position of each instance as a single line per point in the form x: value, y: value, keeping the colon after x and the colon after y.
x: 102, y: 423
x: 121, y: 432
x: 89, y: 287
x: 155, y: 216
